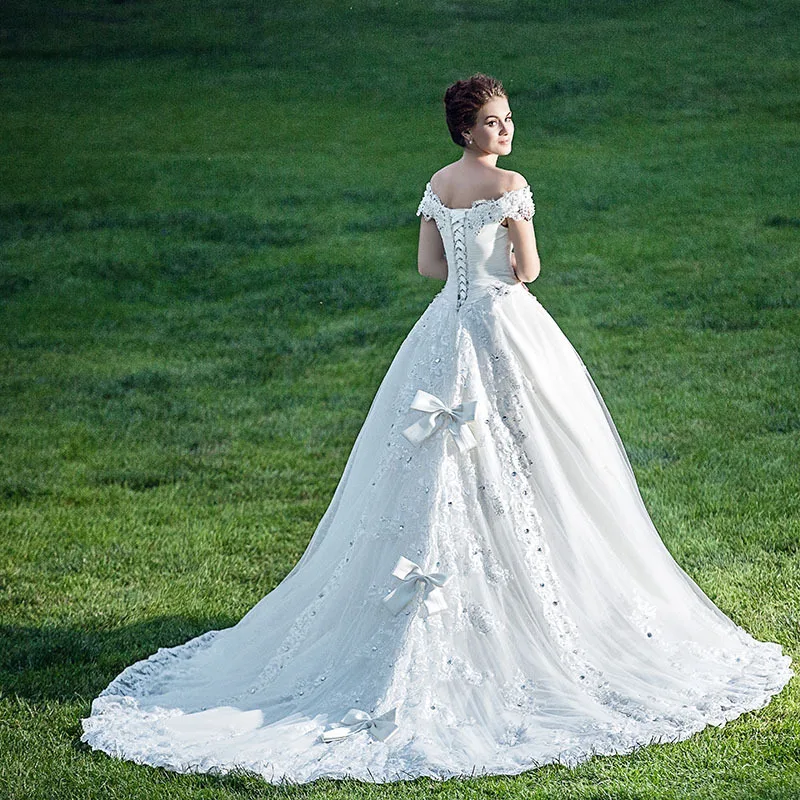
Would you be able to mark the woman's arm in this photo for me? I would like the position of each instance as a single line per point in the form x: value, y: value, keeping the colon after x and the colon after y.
x: 431, y: 259
x: 525, y: 258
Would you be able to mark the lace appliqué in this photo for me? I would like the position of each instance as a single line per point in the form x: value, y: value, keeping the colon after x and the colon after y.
x: 430, y: 207
x: 516, y: 204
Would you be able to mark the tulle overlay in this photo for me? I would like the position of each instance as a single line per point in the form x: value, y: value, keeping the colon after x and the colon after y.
x: 565, y: 628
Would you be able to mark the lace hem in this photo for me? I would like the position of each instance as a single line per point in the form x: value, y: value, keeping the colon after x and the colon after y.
x: 116, y: 716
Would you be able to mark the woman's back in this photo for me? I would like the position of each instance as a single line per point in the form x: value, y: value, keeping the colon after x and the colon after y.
x: 460, y: 185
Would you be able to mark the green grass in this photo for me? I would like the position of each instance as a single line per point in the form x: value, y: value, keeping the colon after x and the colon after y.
x: 207, y: 262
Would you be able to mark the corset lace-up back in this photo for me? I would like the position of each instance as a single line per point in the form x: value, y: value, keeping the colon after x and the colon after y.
x: 460, y: 256
x: 476, y: 244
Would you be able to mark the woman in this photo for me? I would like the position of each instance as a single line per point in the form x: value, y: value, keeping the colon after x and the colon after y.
x: 486, y: 592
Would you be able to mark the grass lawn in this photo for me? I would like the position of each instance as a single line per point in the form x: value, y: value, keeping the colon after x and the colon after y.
x: 208, y: 261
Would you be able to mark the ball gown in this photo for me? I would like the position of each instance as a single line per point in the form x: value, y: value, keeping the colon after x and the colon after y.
x: 486, y: 592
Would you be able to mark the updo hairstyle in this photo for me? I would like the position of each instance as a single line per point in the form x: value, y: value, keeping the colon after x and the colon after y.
x: 463, y: 100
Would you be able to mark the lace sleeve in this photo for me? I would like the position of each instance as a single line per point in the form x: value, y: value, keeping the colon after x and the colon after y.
x: 427, y: 206
x: 518, y: 204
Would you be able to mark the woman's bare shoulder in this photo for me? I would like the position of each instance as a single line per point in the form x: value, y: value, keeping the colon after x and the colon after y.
x: 504, y: 180
x: 443, y: 171
x: 513, y: 180
x: 441, y: 178
x: 491, y: 183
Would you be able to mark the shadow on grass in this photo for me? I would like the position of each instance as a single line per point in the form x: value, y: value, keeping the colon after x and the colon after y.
x: 54, y: 663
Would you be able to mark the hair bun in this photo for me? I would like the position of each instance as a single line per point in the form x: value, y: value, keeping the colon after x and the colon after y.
x: 463, y: 99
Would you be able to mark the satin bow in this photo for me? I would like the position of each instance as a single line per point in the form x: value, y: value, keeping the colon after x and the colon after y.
x: 414, y: 581
x: 356, y: 720
x: 438, y: 413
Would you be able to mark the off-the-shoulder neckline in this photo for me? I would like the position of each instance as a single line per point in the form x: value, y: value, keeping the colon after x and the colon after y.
x: 476, y: 202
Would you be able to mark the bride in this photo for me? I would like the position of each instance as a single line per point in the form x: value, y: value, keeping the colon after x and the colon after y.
x: 486, y: 592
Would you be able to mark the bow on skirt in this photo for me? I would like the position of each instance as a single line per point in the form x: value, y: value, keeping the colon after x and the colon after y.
x: 439, y: 415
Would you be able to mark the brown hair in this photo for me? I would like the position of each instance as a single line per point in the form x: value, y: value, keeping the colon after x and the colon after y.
x: 463, y: 100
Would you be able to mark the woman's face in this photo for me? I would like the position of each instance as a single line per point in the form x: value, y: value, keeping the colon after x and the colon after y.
x: 493, y: 129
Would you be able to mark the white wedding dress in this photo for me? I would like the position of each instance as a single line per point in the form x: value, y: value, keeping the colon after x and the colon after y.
x: 486, y: 592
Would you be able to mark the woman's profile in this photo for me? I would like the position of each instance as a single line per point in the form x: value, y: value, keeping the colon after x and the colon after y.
x: 486, y: 592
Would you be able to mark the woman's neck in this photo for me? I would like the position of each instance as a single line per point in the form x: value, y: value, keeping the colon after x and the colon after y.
x: 479, y: 158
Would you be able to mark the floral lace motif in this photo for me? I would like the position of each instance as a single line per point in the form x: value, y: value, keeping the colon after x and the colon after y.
x: 516, y: 204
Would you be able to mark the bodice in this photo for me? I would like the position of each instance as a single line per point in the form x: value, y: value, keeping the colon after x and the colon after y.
x: 476, y: 244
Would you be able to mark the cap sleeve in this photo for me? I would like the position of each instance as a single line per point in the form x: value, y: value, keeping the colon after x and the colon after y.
x: 427, y: 206
x: 518, y: 204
